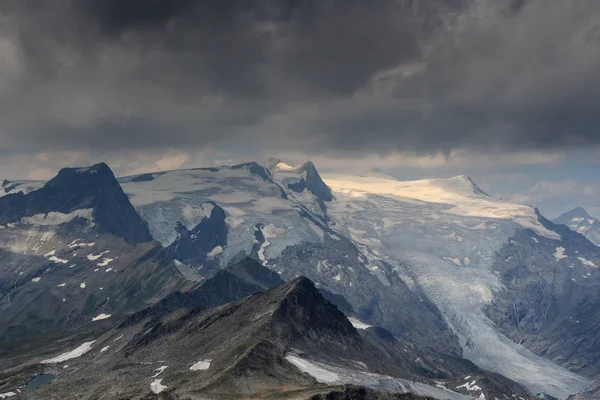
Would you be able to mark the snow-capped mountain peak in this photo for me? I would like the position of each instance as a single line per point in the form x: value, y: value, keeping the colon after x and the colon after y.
x: 301, y: 180
x: 580, y: 221
x: 273, y: 164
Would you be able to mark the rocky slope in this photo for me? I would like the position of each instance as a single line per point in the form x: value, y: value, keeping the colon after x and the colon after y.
x: 273, y: 343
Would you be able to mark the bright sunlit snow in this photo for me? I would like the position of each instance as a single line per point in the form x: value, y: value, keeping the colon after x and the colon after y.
x: 156, y: 387
x: 201, y: 365
x: 357, y: 323
x: 559, y: 254
x: 78, y: 352
x: 101, y: 317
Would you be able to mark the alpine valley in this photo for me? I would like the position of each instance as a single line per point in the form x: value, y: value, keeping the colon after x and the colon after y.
x: 272, y: 281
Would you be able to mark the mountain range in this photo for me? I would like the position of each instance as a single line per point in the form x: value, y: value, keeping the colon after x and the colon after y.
x: 272, y: 279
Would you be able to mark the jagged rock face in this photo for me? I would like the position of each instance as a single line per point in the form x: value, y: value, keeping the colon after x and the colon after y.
x: 580, y: 221
x: 200, y: 245
x: 74, y: 257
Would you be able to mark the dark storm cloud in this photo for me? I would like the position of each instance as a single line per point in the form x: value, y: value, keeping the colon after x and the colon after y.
x: 331, y: 76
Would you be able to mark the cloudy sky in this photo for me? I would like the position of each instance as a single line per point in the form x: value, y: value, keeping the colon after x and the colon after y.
x: 506, y: 91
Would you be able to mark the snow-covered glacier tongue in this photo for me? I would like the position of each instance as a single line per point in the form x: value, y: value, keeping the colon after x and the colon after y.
x: 441, y: 236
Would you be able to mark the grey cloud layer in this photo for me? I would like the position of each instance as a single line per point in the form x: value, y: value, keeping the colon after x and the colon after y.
x: 330, y: 76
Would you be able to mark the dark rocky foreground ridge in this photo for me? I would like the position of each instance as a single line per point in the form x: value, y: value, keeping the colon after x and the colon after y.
x: 249, y: 348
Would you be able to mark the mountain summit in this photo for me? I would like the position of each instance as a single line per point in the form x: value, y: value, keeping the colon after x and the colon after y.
x: 93, y: 188
x: 580, y: 221
x: 299, y: 178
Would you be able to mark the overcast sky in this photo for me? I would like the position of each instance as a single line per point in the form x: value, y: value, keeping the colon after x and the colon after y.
x: 507, y: 91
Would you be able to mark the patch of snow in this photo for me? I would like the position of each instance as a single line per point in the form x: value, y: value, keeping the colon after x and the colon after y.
x: 6, y: 395
x: 320, y: 374
x: 61, y: 285
x: 36, y: 279
x: 57, y: 260
x: 357, y: 323
x: 215, y: 252
x: 104, y: 349
x: 535, y: 240
x: 587, y: 263
x: 78, y: 352
x: 559, y: 254
x: 57, y: 218
x: 94, y: 257
x: 105, y: 262
x: 454, y: 260
x: 77, y: 243
x: 201, y: 365
x: 82, y: 285
x: 156, y: 387
x: 470, y: 386
x: 160, y: 370
x: 101, y: 317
